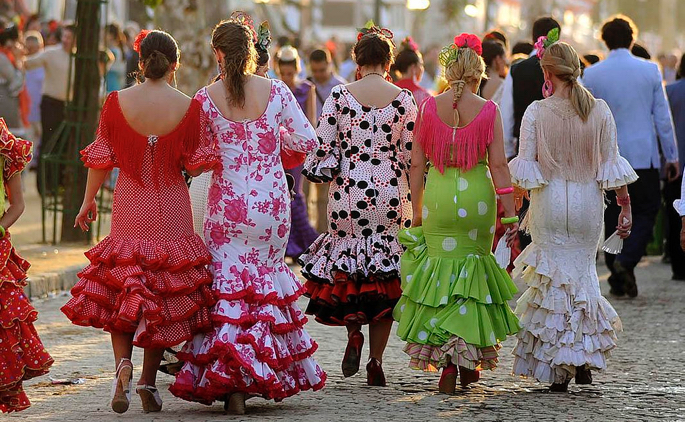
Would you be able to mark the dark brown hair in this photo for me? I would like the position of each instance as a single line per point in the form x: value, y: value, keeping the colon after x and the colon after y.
x: 406, y: 58
x: 373, y: 49
x: 492, y: 50
x: 158, y: 51
x: 240, y: 58
x: 619, y: 32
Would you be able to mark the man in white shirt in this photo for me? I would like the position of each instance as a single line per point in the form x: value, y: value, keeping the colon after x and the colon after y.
x: 633, y: 89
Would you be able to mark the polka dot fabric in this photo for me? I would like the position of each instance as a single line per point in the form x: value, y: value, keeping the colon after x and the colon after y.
x: 364, y: 154
x: 150, y: 275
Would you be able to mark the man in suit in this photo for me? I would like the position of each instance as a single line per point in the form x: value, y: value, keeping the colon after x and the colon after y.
x: 632, y: 88
x: 522, y: 86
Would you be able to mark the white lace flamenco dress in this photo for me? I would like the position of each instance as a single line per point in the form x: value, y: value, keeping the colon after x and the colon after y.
x: 566, y: 164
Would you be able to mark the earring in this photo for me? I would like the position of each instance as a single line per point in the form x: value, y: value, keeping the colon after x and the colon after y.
x: 547, y: 89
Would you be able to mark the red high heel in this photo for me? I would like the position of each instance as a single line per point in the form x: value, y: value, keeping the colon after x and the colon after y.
x: 353, y: 354
x: 448, y: 379
x: 468, y: 376
x: 374, y: 373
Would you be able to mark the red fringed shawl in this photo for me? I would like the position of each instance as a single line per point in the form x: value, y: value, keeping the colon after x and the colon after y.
x: 446, y: 147
x: 130, y: 146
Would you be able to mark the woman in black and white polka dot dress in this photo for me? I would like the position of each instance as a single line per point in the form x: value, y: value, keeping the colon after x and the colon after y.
x: 365, y: 134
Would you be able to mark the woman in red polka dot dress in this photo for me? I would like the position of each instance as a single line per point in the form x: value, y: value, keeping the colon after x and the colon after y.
x: 365, y: 136
x: 147, y: 283
x: 22, y: 355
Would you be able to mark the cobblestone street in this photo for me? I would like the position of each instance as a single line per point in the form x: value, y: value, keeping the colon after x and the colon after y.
x: 644, y: 381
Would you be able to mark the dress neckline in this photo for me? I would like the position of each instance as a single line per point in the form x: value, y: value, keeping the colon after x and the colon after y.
x: 115, y: 95
x: 268, y: 103
x: 373, y: 107
x: 478, y: 115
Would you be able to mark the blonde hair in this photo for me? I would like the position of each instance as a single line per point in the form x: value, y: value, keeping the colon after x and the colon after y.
x: 468, y: 68
x: 561, y: 60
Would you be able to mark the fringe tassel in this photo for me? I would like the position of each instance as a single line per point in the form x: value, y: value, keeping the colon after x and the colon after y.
x: 448, y: 147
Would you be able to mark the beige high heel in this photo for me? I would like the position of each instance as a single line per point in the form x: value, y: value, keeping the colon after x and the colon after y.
x: 122, y: 385
x: 149, y: 396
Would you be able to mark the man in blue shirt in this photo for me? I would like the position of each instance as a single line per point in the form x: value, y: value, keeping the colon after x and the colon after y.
x: 632, y: 87
x: 676, y: 98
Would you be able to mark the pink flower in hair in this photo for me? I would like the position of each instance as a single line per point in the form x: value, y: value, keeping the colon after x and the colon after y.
x: 469, y: 41
x: 540, y: 46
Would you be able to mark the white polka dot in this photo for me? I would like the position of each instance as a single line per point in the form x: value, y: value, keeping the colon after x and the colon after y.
x: 462, y: 213
x: 482, y: 208
x: 424, y: 214
x: 488, y: 174
x: 449, y: 244
x: 486, y: 277
x: 473, y: 234
x: 492, y: 230
x: 463, y: 184
x: 455, y: 199
x: 462, y: 309
x: 444, y: 300
x: 488, y: 298
x: 453, y: 278
x: 493, y: 339
x: 409, y: 276
x: 402, y: 308
x: 437, y: 284
x: 427, y: 264
x: 464, y: 273
x: 423, y: 336
x: 433, y: 322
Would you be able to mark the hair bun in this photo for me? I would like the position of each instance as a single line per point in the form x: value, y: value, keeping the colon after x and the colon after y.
x: 156, y: 65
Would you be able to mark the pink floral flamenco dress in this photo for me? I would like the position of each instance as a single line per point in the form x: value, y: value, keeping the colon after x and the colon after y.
x: 150, y: 275
x: 258, y: 345
x: 22, y: 355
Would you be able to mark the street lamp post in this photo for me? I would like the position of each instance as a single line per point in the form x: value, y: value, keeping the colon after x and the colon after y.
x: 377, y: 12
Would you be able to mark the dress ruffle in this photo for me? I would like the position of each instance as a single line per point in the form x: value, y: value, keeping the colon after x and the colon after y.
x: 456, y: 308
x: 258, y: 345
x: 159, y: 290
x: 16, y: 152
x: 22, y: 355
x: 322, y: 169
x: 616, y: 173
x: 526, y: 173
x: 99, y: 155
x: 565, y: 323
x: 360, y: 257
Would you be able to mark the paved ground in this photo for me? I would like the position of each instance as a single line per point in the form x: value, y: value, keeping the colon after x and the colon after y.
x: 644, y: 381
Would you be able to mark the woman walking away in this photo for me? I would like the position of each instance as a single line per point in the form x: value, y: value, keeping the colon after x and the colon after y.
x: 258, y: 346
x: 147, y: 283
x: 365, y: 135
x: 22, y: 355
x: 568, y: 158
x: 453, y: 312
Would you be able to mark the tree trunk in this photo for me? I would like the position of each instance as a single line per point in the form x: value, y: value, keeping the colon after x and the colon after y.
x: 82, y: 114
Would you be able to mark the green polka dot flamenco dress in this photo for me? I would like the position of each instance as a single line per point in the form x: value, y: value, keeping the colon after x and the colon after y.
x: 454, y: 309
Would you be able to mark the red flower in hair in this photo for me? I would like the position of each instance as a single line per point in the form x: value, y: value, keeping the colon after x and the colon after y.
x: 469, y: 41
x: 139, y: 40
x: 53, y: 25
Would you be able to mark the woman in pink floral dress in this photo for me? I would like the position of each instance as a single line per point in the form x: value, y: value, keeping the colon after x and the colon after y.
x: 258, y: 345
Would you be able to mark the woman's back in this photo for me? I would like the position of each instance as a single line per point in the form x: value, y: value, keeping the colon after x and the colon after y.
x: 257, y: 97
x: 153, y: 110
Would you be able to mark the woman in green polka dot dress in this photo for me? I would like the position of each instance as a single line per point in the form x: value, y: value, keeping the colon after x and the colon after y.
x: 453, y: 312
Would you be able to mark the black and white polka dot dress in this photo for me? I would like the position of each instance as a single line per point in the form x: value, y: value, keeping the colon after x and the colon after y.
x: 364, y: 152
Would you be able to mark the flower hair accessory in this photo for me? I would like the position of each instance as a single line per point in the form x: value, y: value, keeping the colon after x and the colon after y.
x: 545, y: 41
x: 244, y: 19
x: 409, y: 44
x: 139, y: 40
x: 450, y: 53
x: 263, y: 37
x: 371, y: 28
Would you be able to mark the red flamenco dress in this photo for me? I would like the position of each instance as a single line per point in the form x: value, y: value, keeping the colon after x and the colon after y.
x: 22, y: 355
x: 149, y: 276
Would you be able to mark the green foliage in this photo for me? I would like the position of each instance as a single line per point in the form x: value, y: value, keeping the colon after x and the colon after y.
x: 152, y: 3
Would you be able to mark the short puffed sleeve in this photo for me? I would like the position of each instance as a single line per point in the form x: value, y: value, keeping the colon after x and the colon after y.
x: 201, y: 149
x: 15, y: 152
x: 100, y: 154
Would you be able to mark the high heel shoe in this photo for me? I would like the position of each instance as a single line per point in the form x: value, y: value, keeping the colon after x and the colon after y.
x: 468, y: 376
x: 448, y: 379
x: 374, y: 373
x: 235, y: 404
x: 583, y: 375
x: 559, y: 387
x: 122, y: 385
x: 149, y: 396
x: 353, y: 354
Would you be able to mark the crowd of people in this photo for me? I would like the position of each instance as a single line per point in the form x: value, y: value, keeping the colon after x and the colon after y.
x: 419, y: 191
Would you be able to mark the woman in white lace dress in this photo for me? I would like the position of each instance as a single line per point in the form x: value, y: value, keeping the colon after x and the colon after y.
x: 568, y: 157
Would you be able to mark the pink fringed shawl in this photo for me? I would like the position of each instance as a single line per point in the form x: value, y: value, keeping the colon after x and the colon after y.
x: 445, y: 146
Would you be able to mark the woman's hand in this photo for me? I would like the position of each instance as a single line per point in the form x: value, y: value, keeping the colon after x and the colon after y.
x: 511, y: 233
x: 625, y: 222
x: 87, y: 214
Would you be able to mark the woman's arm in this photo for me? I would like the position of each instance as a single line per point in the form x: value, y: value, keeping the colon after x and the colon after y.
x: 16, y: 199
x: 311, y: 106
x: 89, y: 208
x: 501, y: 178
x: 417, y: 172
